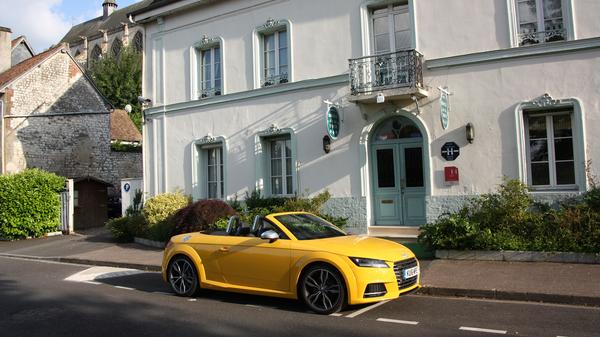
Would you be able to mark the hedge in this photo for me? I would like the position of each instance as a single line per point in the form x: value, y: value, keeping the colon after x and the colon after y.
x: 29, y: 203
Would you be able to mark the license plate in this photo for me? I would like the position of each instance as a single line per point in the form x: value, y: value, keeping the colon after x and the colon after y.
x: 410, y: 272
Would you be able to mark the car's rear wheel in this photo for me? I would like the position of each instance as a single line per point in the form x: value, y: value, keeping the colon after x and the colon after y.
x: 322, y: 289
x: 182, y: 276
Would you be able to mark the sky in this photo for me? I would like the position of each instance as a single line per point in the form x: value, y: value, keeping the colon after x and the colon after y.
x: 45, y: 22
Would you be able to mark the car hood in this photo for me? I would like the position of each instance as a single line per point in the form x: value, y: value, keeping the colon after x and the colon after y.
x: 362, y: 246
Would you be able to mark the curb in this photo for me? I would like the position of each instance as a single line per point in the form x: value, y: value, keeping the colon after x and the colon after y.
x: 86, y: 262
x: 518, y: 256
x: 510, y: 296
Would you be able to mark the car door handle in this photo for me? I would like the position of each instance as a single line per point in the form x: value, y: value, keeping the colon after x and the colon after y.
x: 224, y: 249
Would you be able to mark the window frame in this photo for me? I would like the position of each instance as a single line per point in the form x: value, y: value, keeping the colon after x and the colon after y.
x: 263, y: 159
x: 197, y: 91
x: 550, y: 138
x: 389, y: 14
x: 219, y: 170
x: 269, y: 80
x: 514, y: 25
x: 283, y: 159
x: 366, y: 22
x: 269, y: 27
x: 203, y: 91
x: 200, y: 176
x: 540, y: 105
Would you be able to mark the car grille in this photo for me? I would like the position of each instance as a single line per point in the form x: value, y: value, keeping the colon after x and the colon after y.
x: 399, y: 267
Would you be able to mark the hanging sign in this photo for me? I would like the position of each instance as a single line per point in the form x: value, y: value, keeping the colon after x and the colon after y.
x: 444, y: 107
x: 332, y: 119
x: 450, y: 151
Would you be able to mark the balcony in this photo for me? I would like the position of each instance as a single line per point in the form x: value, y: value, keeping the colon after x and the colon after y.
x: 397, y: 75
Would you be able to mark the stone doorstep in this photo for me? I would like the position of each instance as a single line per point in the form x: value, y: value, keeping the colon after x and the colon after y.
x: 518, y: 256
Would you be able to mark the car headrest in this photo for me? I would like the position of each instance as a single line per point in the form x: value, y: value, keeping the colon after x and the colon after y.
x: 257, y: 224
x: 233, y: 224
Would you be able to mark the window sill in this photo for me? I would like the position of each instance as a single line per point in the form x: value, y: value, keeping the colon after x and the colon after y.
x: 515, y: 52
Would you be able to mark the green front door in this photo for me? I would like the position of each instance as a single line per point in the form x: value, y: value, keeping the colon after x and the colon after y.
x: 398, y: 176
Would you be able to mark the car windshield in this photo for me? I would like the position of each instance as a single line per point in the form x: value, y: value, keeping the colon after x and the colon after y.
x: 308, y: 227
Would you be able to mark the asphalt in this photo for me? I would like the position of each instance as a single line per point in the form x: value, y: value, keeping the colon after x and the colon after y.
x: 560, y: 283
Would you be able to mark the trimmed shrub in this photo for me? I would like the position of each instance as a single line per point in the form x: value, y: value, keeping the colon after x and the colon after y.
x: 160, y: 207
x: 126, y: 228
x: 29, y: 203
x: 510, y: 220
x: 199, y: 216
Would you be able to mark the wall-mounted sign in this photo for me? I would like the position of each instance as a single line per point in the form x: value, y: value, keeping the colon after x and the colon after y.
x: 126, y: 187
x: 444, y: 107
x: 451, y: 174
x: 332, y: 119
x: 450, y: 151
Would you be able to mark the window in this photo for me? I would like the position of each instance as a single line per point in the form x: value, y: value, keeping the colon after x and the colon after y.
x: 117, y: 46
x: 96, y: 54
x: 550, y: 149
x: 138, y: 42
x: 275, y: 58
x: 280, y: 166
x: 391, y: 29
x: 540, y: 21
x: 215, y: 186
x: 209, y: 72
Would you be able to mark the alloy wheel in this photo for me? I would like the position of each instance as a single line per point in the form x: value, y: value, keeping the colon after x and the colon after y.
x: 322, y: 290
x: 182, y: 277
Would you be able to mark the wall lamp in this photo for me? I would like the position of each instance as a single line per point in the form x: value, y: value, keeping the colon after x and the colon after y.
x: 326, y: 144
x: 470, y: 132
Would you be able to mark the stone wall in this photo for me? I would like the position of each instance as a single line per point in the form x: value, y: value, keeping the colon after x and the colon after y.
x: 58, y: 122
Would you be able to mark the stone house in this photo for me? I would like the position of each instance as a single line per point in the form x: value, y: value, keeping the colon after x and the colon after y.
x: 106, y: 34
x: 54, y: 118
x: 401, y: 109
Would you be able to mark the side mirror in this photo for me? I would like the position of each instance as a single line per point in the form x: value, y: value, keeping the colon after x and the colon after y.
x: 269, y: 235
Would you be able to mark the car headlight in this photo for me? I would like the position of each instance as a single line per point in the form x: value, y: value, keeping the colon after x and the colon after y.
x: 373, y: 263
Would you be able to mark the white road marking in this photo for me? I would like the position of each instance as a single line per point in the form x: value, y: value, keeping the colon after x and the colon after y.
x: 98, y: 273
x: 336, y: 314
x: 126, y: 288
x: 388, y: 320
x: 92, y: 282
x: 363, y: 310
x: 192, y: 300
x: 466, y: 328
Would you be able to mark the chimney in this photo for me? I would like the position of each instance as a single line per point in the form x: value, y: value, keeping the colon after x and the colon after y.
x: 5, y: 49
x: 109, y: 7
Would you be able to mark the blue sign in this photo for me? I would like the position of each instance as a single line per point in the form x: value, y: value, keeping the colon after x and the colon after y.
x: 126, y: 187
x: 332, y: 120
x: 444, y: 108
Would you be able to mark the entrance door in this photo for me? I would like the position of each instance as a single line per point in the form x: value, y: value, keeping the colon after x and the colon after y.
x: 398, y: 174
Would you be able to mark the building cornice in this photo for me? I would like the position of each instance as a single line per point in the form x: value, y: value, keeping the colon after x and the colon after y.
x: 250, y: 94
x: 512, y: 53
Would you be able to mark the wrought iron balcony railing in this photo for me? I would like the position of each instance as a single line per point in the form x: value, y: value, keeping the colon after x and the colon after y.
x: 401, y: 69
x: 542, y: 37
x: 209, y: 92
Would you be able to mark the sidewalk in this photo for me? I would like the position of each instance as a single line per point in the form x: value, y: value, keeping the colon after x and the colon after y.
x: 563, y: 283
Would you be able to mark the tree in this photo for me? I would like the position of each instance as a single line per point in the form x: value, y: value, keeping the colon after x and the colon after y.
x: 120, y: 80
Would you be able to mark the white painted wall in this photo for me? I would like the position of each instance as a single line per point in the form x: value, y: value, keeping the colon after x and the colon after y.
x: 325, y: 35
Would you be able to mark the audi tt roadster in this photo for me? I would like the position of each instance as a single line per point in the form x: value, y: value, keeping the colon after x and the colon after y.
x: 294, y: 255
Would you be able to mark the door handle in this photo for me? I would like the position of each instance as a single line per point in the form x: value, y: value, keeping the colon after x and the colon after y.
x: 224, y: 249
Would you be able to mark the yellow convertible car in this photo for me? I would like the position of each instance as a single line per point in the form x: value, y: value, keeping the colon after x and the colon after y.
x: 293, y: 255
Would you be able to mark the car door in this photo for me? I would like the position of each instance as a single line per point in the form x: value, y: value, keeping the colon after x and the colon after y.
x: 253, y: 262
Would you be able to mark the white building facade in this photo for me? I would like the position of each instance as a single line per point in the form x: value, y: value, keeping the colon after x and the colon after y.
x: 301, y: 96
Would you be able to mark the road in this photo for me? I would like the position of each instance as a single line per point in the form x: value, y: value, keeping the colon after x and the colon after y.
x: 100, y: 301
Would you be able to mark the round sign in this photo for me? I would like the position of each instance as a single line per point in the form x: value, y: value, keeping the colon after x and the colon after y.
x: 332, y: 120
x: 126, y: 187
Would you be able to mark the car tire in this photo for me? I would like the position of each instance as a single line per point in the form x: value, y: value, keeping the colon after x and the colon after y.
x: 182, y: 276
x: 322, y: 289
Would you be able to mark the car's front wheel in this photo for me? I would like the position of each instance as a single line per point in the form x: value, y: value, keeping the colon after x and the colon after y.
x: 322, y: 289
x: 182, y: 276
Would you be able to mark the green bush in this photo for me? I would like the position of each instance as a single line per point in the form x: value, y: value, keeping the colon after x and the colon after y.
x: 160, y: 207
x: 126, y: 228
x: 29, y: 203
x: 510, y: 220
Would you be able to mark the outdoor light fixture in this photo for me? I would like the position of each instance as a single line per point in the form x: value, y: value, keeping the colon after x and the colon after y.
x: 470, y: 132
x: 380, y: 98
x: 326, y: 144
